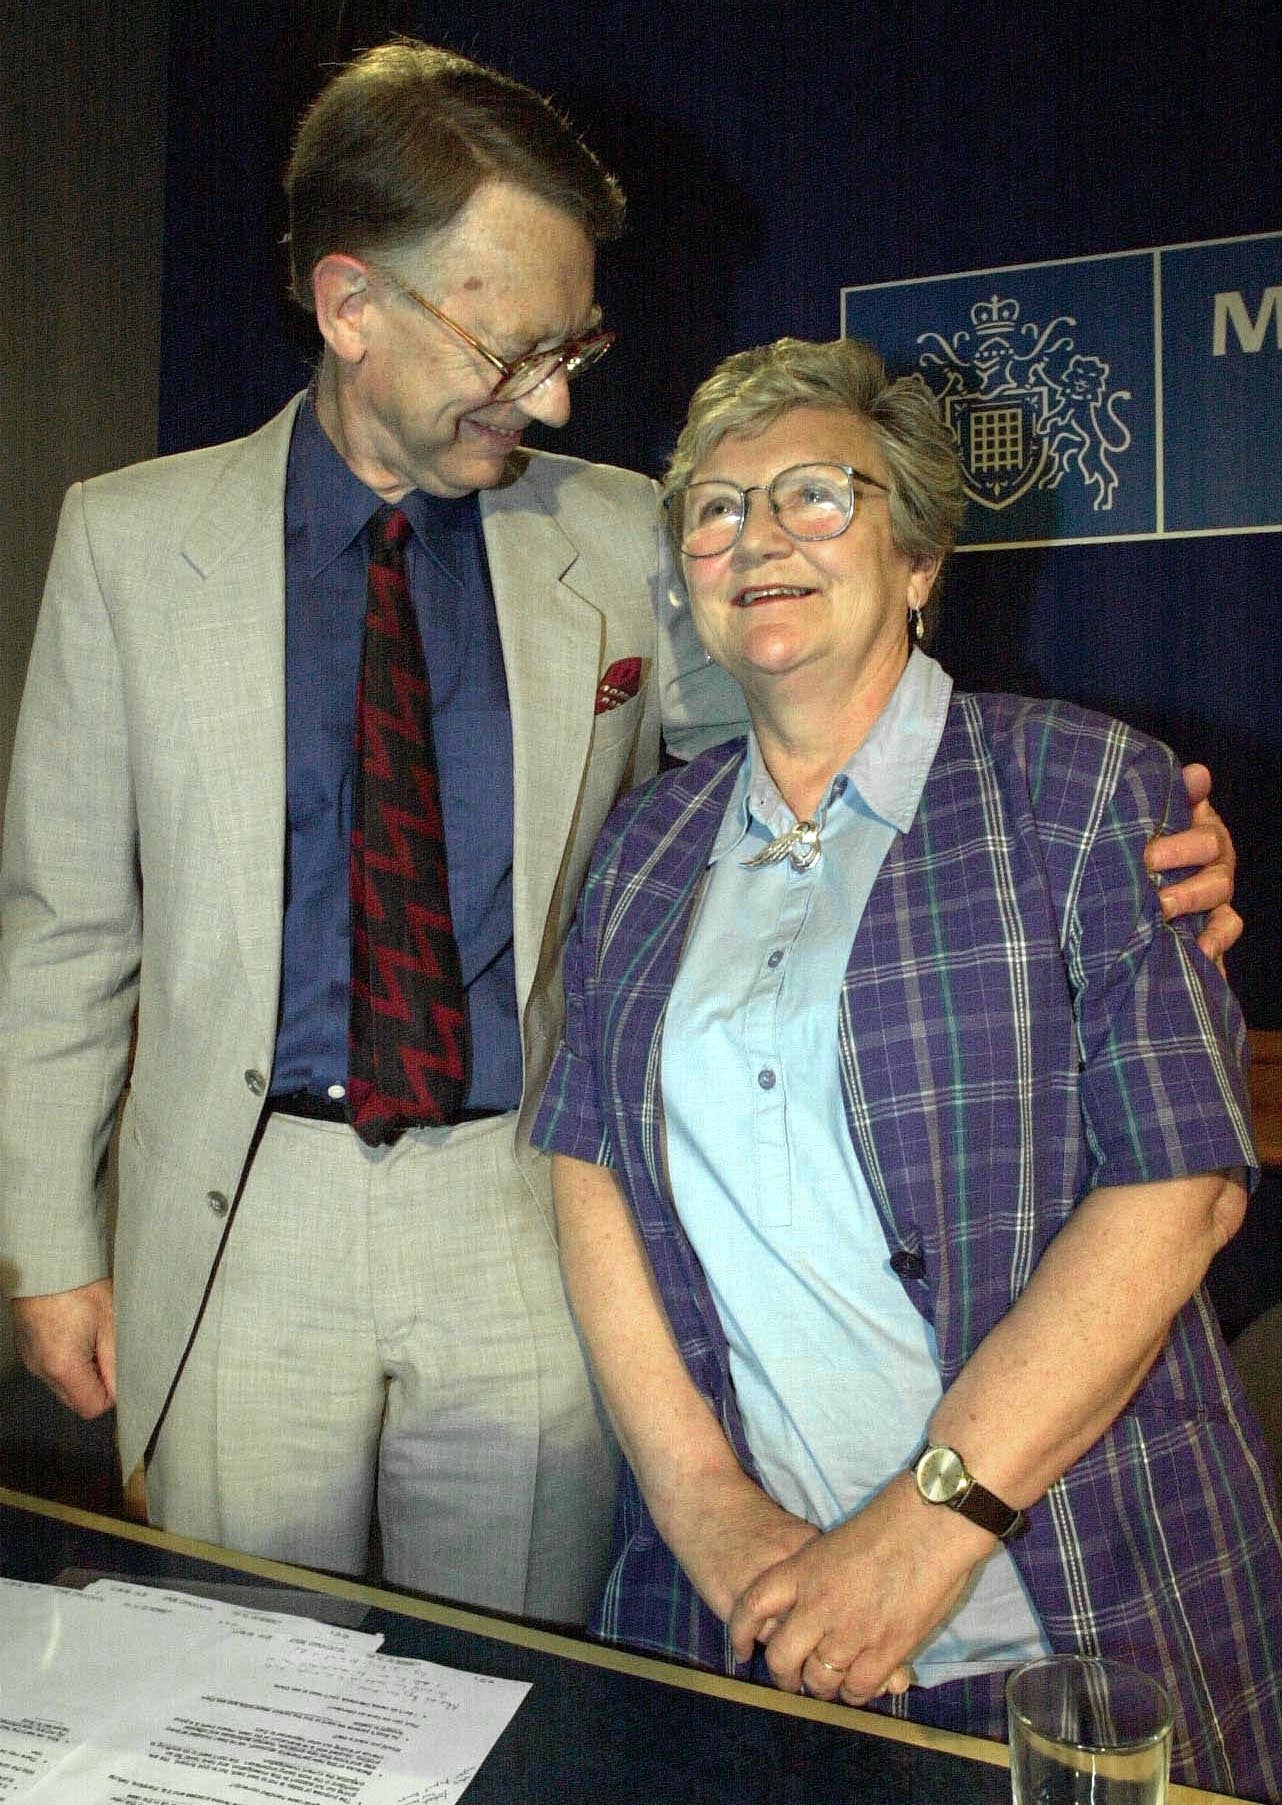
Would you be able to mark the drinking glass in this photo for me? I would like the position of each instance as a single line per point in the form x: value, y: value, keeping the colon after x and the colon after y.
x: 1087, y: 1730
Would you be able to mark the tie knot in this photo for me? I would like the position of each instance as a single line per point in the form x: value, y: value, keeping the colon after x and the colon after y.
x: 389, y: 529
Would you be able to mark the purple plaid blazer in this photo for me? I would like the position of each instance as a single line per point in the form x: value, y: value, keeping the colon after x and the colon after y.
x: 1017, y: 1027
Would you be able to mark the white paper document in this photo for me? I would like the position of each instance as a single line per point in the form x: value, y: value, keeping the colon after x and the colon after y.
x: 124, y: 1695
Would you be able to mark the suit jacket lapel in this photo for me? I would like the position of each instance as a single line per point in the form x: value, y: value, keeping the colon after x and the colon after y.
x: 230, y: 634
x: 552, y: 639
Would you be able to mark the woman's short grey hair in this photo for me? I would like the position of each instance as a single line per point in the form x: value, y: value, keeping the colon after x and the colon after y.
x: 752, y: 389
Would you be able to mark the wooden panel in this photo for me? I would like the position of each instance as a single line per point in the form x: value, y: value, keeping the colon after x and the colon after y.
x: 1266, y: 1093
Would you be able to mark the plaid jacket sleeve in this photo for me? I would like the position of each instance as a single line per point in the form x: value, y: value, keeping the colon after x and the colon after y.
x: 1162, y: 1041
x: 570, y: 1119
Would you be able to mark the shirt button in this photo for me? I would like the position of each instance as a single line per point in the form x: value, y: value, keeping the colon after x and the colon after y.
x: 336, y: 1092
x: 766, y: 1078
x: 775, y: 958
x: 256, y: 1082
x: 217, y: 1203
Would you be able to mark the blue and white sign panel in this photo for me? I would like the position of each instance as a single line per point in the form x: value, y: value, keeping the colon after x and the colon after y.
x: 1129, y: 396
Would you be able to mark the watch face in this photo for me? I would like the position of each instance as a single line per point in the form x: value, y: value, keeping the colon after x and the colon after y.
x: 941, y: 1475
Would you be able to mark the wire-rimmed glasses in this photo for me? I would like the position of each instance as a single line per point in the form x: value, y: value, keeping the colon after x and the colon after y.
x: 810, y: 501
x: 573, y: 355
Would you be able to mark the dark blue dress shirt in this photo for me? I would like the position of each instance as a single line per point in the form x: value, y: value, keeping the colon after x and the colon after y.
x: 327, y: 509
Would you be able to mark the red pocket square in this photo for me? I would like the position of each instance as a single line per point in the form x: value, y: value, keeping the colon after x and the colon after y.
x: 620, y: 683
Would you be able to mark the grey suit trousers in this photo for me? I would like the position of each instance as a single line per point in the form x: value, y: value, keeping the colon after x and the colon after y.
x: 387, y: 1332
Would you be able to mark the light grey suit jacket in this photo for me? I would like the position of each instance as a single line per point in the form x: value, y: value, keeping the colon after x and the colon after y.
x: 145, y: 829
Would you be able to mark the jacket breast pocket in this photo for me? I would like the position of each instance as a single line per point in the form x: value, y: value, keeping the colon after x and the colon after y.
x: 618, y: 725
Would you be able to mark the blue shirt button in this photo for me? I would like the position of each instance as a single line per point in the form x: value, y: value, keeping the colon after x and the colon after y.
x: 766, y: 1078
x: 775, y: 957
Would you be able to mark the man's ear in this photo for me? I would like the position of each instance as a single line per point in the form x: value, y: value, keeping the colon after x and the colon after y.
x: 342, y: 293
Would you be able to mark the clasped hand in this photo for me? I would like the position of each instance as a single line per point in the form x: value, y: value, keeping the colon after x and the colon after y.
x: 841, y: 1616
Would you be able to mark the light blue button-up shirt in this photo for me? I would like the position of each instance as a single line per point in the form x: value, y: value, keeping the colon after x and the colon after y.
x: 834, y: 1369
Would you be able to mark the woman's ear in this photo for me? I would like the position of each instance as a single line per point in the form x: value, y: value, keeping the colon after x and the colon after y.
x: 922, y: 575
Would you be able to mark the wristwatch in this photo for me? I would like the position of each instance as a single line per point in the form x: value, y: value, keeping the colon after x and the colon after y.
x: 942, y: 1479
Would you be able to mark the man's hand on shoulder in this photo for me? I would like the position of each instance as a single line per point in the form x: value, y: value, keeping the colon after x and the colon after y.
x: 1206, y: 845
x: 68, y: 1339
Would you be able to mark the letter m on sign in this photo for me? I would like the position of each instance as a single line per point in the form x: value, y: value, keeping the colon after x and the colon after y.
x: 1230, y: 308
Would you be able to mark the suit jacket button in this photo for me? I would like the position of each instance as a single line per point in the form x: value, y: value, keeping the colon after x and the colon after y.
x: 217, y: 1203
x: 256, y: 1082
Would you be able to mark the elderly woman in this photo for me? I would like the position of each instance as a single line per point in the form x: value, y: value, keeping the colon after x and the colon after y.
x: 895, y: 1131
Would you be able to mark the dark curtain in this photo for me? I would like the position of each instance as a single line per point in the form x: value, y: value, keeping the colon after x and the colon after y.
x: 82, y: 121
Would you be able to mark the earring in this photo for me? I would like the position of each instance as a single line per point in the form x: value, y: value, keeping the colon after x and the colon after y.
x: 914, y: 615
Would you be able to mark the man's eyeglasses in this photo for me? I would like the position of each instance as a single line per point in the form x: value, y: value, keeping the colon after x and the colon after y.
x: 810, y: 501
x: 526, y: 373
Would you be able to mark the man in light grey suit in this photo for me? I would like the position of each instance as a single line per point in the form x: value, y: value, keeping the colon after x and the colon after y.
x: 303, y: 1320
x: 312, y: 1331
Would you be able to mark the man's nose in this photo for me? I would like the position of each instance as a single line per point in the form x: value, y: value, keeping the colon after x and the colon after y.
x: 549, y: 403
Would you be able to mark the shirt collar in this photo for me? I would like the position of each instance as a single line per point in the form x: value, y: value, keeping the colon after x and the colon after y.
x: 888, y: 772
x: 333, y: 506
x: 890, y: 768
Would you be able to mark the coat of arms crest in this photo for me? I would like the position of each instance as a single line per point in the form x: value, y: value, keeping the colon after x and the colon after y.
x: 1025, y: 406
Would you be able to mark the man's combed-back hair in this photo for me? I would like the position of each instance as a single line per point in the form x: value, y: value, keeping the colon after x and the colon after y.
x: 396, y: 144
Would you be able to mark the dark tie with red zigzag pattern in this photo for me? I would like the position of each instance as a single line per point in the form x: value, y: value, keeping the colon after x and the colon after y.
x: 407, y: 1032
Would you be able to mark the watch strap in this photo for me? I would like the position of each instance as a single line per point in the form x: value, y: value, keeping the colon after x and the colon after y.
x: 981, y: 1506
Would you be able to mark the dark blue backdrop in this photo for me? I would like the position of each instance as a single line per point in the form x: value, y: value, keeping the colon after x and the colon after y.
x: 773, y: 153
